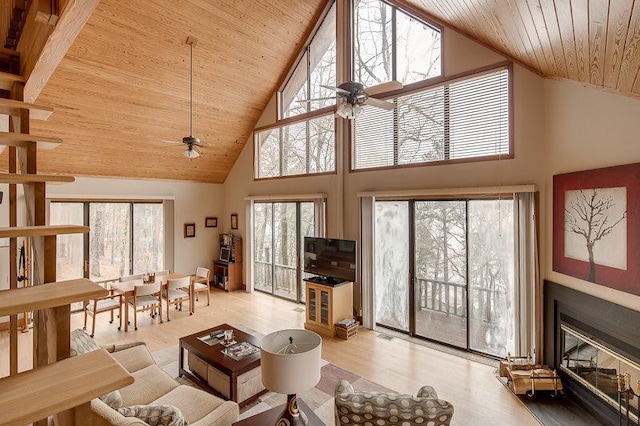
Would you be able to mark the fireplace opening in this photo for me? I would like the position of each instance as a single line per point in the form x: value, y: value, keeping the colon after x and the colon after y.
x: 601, y: 369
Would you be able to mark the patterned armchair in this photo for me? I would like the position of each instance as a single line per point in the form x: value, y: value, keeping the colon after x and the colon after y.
x: 359, y: 408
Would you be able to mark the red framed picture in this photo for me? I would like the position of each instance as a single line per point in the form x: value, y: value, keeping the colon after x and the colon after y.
x: 596, y: 226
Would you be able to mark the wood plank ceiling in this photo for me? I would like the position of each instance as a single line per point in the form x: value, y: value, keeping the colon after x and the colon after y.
x: 123, y: 88
x: 595, y: 42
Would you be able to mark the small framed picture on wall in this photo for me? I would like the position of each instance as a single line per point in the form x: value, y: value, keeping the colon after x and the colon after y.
x: 211, y: 222
x: 234, y: 221
x: 189, y: 230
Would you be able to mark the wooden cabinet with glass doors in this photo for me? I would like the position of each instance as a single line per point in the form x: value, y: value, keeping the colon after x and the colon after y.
x: 327, y: 305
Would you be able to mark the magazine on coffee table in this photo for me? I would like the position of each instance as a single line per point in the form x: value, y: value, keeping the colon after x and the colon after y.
x: 212, y: 338
x: 240, y: 350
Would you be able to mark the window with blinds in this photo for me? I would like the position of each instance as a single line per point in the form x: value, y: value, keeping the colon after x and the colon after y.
x: 300, y: 148
x: 464, y: 119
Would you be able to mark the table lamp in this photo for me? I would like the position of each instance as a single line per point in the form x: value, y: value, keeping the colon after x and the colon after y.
x: 290, y: 364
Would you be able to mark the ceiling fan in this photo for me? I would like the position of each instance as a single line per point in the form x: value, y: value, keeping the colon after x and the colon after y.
x: 190, y: 142
x: 355, y: 95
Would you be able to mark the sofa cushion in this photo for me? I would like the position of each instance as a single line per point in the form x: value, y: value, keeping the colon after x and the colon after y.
x: 195, y: 404
x: 150, y: 384
x: 134, y: 358
x: 353, y: 407
x: 155, y: 414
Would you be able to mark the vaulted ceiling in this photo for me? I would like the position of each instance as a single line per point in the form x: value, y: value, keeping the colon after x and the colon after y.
x: 122, y: 88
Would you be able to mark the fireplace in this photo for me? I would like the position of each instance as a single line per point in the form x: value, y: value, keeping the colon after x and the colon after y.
x: 595, y: 347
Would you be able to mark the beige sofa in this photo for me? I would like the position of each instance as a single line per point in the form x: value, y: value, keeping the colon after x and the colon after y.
x: 153, y: 385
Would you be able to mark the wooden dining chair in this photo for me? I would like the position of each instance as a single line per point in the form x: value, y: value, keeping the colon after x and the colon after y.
x: 175, y: 294
x: 146, y: 297
x: 201, y: 282
x: 103, y: 304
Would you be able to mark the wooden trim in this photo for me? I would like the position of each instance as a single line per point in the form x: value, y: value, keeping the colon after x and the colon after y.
x: 298, y: 197
x: 51, y: 295
x: 13, y: 107
x: 318, y: 19
x: 294, y: 176
x: 82, y: 198
x: 74, y: 16
x: 457, y: 192
x: 36, y: 394
x: 297, y: 119
x: 31, y: 178
x: 42, y: 231
x: 7, y: 80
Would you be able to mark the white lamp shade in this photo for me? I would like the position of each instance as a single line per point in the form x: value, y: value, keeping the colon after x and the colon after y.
x: 290, y: 368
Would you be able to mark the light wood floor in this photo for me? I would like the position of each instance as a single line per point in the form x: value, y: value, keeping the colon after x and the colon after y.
x: 477, y: 396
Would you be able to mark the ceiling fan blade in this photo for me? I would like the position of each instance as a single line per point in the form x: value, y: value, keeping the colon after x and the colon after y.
x: 172, y: 143
x: 316, y: 99
x: 380, y: 103
x: 337, y: 89
x: 384, y: 87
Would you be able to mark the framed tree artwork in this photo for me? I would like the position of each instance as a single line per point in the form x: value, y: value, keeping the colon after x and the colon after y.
x: 189, y: 230
x: 596, y: 226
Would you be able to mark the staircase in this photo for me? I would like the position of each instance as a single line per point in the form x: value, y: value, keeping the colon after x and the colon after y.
x: 57, y: 385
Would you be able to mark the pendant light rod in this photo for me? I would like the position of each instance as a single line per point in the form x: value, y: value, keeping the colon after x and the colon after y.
x: 191, y: 41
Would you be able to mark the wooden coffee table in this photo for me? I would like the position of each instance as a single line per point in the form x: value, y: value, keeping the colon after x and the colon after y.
x: 269, y: 417
x: 239, y: 381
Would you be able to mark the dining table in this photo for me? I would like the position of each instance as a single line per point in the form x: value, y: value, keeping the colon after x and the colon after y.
x: 127, y: 288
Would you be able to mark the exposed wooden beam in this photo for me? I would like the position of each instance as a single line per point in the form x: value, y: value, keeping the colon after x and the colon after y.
x: 73, y: 16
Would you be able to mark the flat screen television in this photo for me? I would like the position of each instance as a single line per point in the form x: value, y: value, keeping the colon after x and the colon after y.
x: 331, y: 259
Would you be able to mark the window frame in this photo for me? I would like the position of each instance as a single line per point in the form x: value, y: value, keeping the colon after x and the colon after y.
x: 436, y: 82
x: 410, y: 12
x: 320, y: 113
x: 301, y: 55
x: 86, y: 204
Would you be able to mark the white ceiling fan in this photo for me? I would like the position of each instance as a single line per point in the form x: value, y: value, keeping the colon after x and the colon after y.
x: 191, y: 143
x: 355, y: 95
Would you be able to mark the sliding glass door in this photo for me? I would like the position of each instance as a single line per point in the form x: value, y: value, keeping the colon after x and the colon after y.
x: 124, y: 238
x: 460, y: 254
x: 278, y: 234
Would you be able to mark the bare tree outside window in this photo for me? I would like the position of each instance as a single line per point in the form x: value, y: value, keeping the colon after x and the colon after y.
x: 595, y: 227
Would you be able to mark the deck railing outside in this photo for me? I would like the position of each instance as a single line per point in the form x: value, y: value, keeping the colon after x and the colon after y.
x: 451, y: 298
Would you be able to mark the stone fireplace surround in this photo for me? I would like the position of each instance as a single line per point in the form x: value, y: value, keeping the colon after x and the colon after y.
x: 614, y: 326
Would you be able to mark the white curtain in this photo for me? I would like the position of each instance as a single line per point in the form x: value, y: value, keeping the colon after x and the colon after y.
x: 248, y: 246
x: 527, y: 275
x: 367, y: 223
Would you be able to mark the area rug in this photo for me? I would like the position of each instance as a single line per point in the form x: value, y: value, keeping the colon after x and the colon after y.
x: 553, y: 411
x: 319, y: 399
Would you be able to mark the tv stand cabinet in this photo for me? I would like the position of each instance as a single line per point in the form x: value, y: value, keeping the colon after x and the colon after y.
x: 326, y: 305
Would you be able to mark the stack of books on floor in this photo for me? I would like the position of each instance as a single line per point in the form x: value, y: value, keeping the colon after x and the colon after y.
x: 347, y: 322
x: 346, y: 328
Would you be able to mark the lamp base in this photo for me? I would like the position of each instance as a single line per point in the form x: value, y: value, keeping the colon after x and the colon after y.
x: 292, y: 416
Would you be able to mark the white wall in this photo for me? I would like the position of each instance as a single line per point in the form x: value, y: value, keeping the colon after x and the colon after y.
x: 587, y: 129
x: 193, y: 202
x: 461, y: 54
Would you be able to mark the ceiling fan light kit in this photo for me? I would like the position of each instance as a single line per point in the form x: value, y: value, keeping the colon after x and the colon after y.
x: 349, y: 111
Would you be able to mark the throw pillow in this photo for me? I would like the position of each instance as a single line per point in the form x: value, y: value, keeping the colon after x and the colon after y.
x: 82, y: 343
x: 155, y: 414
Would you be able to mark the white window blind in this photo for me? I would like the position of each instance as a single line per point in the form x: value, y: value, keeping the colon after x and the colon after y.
x: 304, y: 147
x: 464, y: 119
